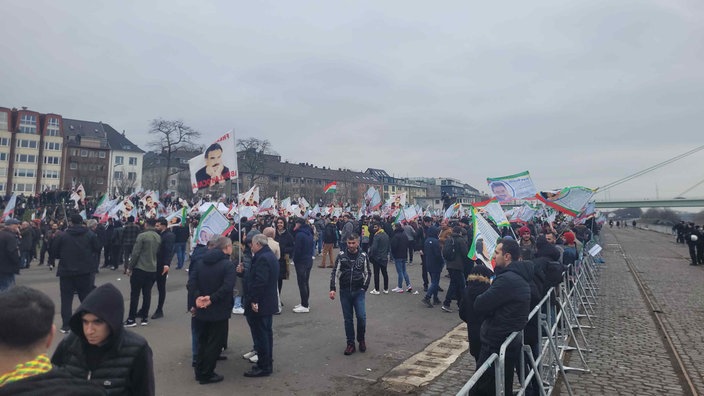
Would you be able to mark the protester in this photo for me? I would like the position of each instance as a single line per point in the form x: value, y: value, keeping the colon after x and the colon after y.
x: 75, y: 249
x: 455, y: 255
x: 286, y: 244
x: 100, y: 349
x: 434, y: 264
x: 399, y: 253
x: 303, y: 262
x: 142, y: 272
x: 478, y: 282
x: 163, y: 262
x: 9, y: 253
x: 379, y: 257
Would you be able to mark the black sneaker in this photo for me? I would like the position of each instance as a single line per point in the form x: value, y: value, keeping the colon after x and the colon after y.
x: 65, y: 330
x: 130, y: 323
x: 144, y: 322
x: 158, y: 315
x: 427, y: 302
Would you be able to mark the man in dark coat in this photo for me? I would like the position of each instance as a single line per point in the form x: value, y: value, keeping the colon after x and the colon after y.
x: 303, y: 261
x: 25, y: 336
x: 478, y: 281
x: 261, y: 303
x: 101, y: 349
x: 210, y: 285
x: 379, y: 257
x: 506, y: 305
x: 434, y: 264
x: 9, y: 253
x: 75, y: 249
x: 163, y: 261
x: 457, y: 243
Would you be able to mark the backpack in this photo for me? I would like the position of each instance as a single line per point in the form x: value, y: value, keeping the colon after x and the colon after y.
x: 449, y: 251
x: 329, y: 232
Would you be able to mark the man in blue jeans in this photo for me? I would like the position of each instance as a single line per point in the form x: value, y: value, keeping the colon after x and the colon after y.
x: 182, y: 233
x: 434, y: 264
x: 354, y: 274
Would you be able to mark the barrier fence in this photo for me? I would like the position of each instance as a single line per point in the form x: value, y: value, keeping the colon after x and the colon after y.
x: 563, y: 315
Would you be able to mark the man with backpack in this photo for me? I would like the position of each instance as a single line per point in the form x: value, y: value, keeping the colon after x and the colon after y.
x: 455, y: 253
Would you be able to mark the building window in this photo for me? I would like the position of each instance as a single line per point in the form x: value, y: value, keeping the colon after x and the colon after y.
x: 117, y: 175
x: 52, y: 146
x: 3, y: 172
x: 3, y: 126
x: 91, y: 154
x: 101, y: 154
x: 50, y: 174
x: 294, y: 180
x: 4, y: 141
x: 173, y: 182
x: 119, y: 160
x: 73, y: 165
x: 28, y: 124
x: 3, y: 156
x: 22, y: 143
x: 99, y: 181
x: 52, y: 128
x: 28, y: 158
x: 2, y: 187
x: 133, y: 160
x: 91, y: 167
x: 287, y: 180
x: 131, y: 175
x: 21, y: 172
x: 84, y: 153
x: 273, y: 178
x: 51, y: 160
x: 21, y: 187
x: 54, y: 122
x: 52, y: 132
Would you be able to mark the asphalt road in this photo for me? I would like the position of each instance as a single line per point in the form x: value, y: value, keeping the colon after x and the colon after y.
x: 308, y: 358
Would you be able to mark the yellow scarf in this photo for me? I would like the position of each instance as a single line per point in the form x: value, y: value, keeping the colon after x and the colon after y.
x: 40, y: 365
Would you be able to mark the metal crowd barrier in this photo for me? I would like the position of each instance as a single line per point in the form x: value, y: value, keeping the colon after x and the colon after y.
x: 560, y: 331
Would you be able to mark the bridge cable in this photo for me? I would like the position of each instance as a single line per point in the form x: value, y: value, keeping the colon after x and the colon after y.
x: 691, y: 188
x: 650, y: 169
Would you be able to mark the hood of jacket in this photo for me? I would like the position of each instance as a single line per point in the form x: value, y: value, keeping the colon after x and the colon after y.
x: 76, y: 230
x: 105, y: 302
x: 522, y: 268
x: 433, y: 232
x: 214, y: 256
x: 305, y: 228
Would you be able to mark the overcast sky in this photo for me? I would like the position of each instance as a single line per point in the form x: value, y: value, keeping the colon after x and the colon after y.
x: 577, y: 92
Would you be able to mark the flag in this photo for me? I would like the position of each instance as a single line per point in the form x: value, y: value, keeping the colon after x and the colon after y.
x: 10, y: 208
x: 509, y: 188
x: 177, y: 218
x: 494, y: 210
x: 44, y: 214
x: 569, y: 200
x: 330, y: 187
x: 250, y: 198
x: 372, y: 199
x: 484, y: 240
x: 217, y: 164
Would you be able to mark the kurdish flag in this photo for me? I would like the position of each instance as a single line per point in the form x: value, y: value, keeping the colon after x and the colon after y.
x: 330, y: 188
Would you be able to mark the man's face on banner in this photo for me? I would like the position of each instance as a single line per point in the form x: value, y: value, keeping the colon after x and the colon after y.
x: 501, y: 192
x: 213, y: 163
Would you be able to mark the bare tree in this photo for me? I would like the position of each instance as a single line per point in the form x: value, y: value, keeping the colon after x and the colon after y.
x: 253, y: 160
x: 170, y: 137
x: 124, y: 185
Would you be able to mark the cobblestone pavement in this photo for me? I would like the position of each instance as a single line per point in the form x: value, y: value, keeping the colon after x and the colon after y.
x: 628, y: 355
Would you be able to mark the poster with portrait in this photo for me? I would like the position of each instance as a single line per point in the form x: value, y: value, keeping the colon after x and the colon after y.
x: 397, y: 201
x: 250, y: 198
x: 217, y: 164
x: 212, y: 223
x: 512, y: 187
x: 484, y: 241
x: 569, y: 200
x: 150, y: 202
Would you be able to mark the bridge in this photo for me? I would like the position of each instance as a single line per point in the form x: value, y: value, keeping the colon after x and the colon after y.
x: 652, y: 203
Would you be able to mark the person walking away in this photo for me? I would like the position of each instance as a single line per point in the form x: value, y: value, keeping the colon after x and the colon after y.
x: 26, y: 236
x: 128, y: 239
x: 142, y: 272
x: 329, y: 242
x: 74, y: 248
x: 379, y: 257
x: 455, y: 254
x: 163, y: 263
x: 303, y: 262
x: 434, y: 264
x: 399, y: 251
x: 181, y: 234
x: 353, y: 271
x: 9, y: 253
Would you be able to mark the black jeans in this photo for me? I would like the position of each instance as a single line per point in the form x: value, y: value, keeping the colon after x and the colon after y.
x: 303, y: 277
x: 380, y: 267
x: 486, y: 385
x: 161, y: 288
x: 211, y: 338
x: 454, y: 291
x: 68, y: 285
x: 424, y: 271
x: 141, y: 281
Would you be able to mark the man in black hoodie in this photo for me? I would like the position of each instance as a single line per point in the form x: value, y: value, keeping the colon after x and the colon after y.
x: 506, y: 305
x: 100, y: 348
x: 25, y: 336
x: 75, y: 249
x: 210, y: 285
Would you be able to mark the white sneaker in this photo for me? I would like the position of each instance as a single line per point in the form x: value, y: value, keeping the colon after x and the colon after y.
x: 249, y: 354
x: 374, y: 291
x: 298, y: 306
x: 301, y: 309
x: 238, y: 311
x: 397, y: 290
x: 254, y: 358
x: 386, y: 291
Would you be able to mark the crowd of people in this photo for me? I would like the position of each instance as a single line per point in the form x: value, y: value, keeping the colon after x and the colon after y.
x: 244, y: 272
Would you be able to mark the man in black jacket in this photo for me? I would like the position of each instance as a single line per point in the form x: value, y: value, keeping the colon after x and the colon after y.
x: 163, y: 261
x: 26, y: 333
x: 210, y: 285
x: 100, y: 348
x: 75, y: 249
x: 9, y: 253
x: 506, y: 305
x: 262, y: 302
x: 353, y: 270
